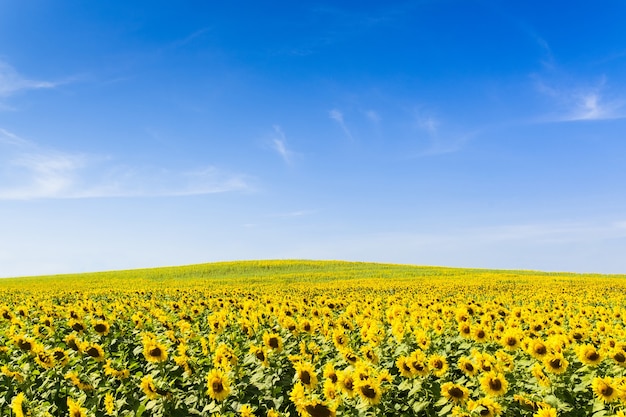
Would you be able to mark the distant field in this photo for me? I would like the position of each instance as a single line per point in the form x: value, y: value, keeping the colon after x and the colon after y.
x: 313, y: 338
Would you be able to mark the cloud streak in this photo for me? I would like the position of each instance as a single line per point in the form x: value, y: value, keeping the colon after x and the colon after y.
x: 279, y: 144
x: 29, y: 172
x: 11, y: 82
x: 337, y: 116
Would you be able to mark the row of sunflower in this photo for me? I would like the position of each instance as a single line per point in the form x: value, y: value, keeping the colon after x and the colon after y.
x: 468, y: 345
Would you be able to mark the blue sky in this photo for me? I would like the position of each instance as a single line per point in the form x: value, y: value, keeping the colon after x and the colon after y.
x: 459, y: 133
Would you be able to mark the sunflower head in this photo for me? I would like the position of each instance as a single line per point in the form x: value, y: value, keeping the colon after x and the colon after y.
x: 494, y: 384
x: 589, y: 355
x: 369, y: 391
x: 306, y: 374
x: 315, y: 408
x: 605, y: 389
x: 454, y: 392
x: 218, y: 386
x: 555, y: 363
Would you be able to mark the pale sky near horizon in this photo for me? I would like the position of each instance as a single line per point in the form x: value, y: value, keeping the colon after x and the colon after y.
x: 483, y: 134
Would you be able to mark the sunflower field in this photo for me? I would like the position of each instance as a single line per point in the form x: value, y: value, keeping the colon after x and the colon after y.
x: 313, y: 339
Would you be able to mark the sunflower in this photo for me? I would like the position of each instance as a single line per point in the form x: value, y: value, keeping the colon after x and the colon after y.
x: 259, y: 353
x: 402, y: 363
x: 346, y: 382
x: 589, y: 355
x: 109, y: 403
x: 154, y: 351
x: 369, y: 353
x: 340, y: 339
x: 605, y: 389
x: 218, y: 385
x: 44, y: 359
x: 555, y: 363
x: 102, y: 327
x: 77, y: 325
x: 76, y: 381
x: 109, y: 370
x: 479, y: 334
x: 545, y: 412
x: 297, y: 396
x: 537, y: 349
x: 42, y: 331
x: 60, y: 356
x: 17, y: 405
x: 73, y: 342
x: 619, y: 356
x: 273, y: 341
x: 95, y: 351
x: 331, y: 391
x: 75, y: 409
x: 306, y: 374
x: 369, y: 391
x: 315, y: 408
x: 485, y: 407
x: 224, y: 357
x: 12, y: 374
x: 246, y: 411
x: 511, y: 339
x: 349, y: 356
x: 438, y: 365
x: 330, y: 373
x: 148, y: 387
x: 467, y: 367
x: 542, y: 379
x: 25, y: 343
x: 455, y: 392
x: 465, y: 330
x: 494, y: 384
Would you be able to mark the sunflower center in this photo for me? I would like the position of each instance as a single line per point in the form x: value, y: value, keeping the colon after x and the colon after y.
x: 418, y: 366
x: 58, y: 355
x: 606, y: 391
x: 78, y: 327
x: 511, y: 341
x: 593, y: 356
x: 349, y: 384
x: 24, y: 345
x: 274, y: 342
x: 217, y: 387
x: 495, y: 384
x: 368, y: 391
x: 540, y: 350
x: 333, y: 377
x: 305, y: 377
x: 100, y: 328
x: 260, y: 355
x: 469, y: 367
x: 318, y: 410
x: 480, y: 334
x: 555, y: 363
x: 456, y: 392
x: 155, y: 352
x: 93, y: 352
x: 485, y: 412
x: 619, y: 357
x: 438, y: 364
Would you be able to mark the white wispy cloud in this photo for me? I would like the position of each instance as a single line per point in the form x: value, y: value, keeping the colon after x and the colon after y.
x: 373, y: 116
x: 279, y: 144
x: 29, y: 171
x: 428, y: 123
x: 337, y: 116
x: 12, y: 82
